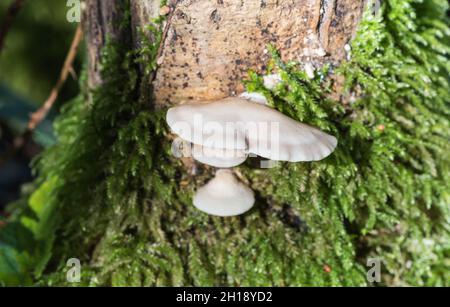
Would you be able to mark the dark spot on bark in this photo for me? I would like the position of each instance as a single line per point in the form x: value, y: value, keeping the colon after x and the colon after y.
x: 263, y: 4
x: 219, y: 1
x: 340, y: 11
x: 238, y: 62
x: 174, y: 35
x: 287, y: 44
x: 215, y: 17
x: 184, y: 49
x: 199, y: 74
x: 185, y: 84
x: 181, y: 15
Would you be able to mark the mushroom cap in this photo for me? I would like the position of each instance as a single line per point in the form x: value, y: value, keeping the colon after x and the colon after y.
x: 218, y: 157
x: 224, y: 196
x: 236, y: 123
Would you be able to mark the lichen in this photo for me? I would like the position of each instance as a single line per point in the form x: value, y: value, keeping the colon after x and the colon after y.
x: 122, y: 204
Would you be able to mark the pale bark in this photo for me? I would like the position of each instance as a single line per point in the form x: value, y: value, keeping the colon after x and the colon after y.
x: 211, y: 44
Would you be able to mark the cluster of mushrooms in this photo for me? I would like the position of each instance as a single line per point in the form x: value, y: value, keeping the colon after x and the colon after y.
x: 226, y: 132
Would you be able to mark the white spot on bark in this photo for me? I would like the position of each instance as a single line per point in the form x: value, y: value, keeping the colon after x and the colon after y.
x: 271, y: 81
x: 309, y: 70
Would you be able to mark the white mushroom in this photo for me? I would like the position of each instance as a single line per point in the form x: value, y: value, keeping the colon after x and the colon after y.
x: 218, y: 157
x: 235, y: 123
x: 224, y: 196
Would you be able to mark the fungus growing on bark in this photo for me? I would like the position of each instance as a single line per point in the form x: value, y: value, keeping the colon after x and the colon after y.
x: 225, y: 131
x: 224, y: 196
x: 218, y: 157
x: 237, y: 124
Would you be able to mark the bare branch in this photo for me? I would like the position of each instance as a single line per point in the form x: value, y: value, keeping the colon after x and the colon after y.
x: 37, y: 117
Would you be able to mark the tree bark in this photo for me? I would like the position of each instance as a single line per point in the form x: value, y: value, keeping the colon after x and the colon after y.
x: 101, y: 21
x: 209, y: 46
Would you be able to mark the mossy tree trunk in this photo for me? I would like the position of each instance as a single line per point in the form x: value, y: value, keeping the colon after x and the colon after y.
x: 205, y: 50
x: 312, y: 224
x: 112, y: 195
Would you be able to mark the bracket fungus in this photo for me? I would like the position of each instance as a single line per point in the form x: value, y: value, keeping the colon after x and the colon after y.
x: 218, y: 157
x: 224, y: 196
x: 225, y: 132
x: 238, y: 124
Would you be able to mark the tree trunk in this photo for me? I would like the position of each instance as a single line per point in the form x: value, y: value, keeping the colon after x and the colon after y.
x: 208, y: 46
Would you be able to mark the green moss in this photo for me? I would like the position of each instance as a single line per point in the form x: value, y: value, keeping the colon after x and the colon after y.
x: 150, y: 40
x: 123, y: 210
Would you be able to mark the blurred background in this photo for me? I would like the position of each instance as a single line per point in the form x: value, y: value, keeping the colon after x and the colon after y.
x: 33, y: 53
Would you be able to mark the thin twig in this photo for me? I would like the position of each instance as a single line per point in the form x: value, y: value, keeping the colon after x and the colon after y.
x: 164, y: 34
x: 8, y: 19
x: 165, y: 31
x: 37, y: 117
